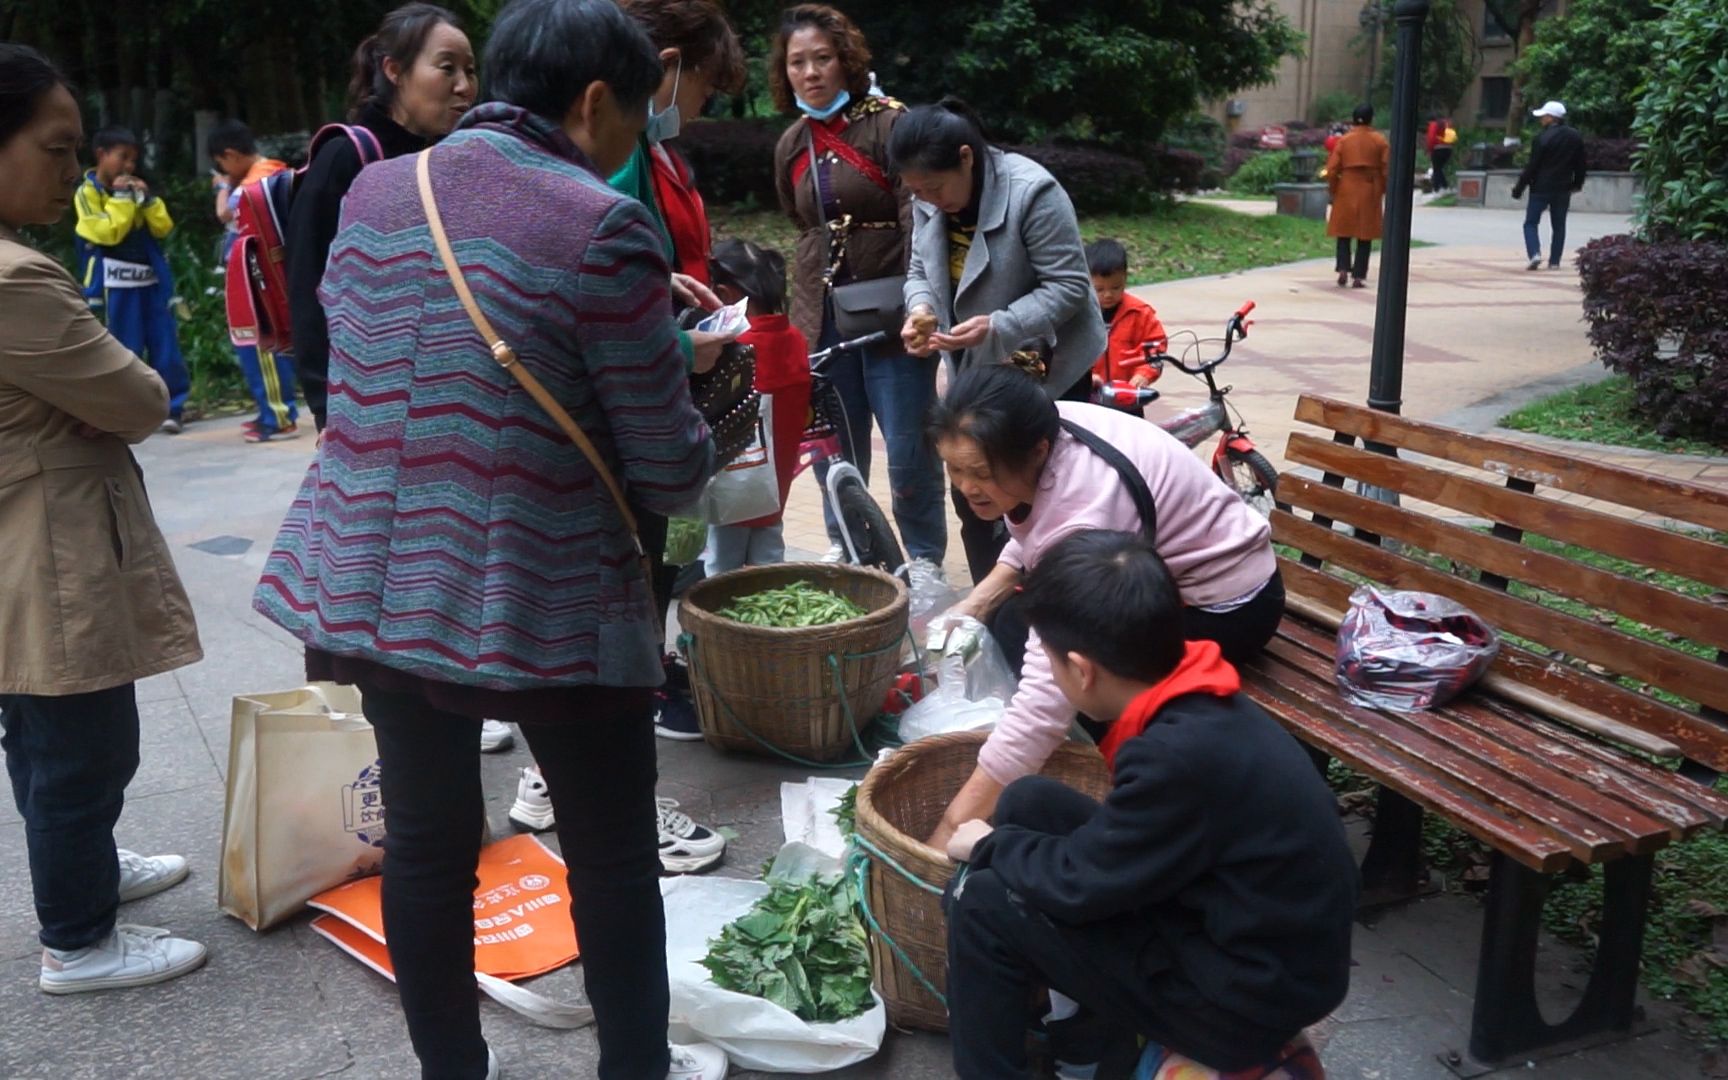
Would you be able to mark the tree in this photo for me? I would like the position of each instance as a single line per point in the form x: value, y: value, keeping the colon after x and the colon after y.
x: 1451, y: 57
x: 1595, y: 58
x: 1683, y: 123
x: 1517, y: 18
x: 1115, y: 70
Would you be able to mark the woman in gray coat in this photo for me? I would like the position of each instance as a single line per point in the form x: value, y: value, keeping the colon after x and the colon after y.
x: 996, y: 268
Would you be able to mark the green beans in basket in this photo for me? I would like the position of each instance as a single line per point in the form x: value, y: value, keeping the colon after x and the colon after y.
x: 797, y: 604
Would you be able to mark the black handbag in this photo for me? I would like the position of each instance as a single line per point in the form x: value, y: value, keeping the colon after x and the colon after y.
x: 726, y: 394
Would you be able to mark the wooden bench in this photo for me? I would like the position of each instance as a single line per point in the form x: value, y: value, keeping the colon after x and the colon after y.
x: 1534, y: 761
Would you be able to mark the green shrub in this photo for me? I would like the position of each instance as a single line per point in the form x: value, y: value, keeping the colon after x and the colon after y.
x: 1683, y: 125
x: 1333, y: 105
x: 1260, y: 172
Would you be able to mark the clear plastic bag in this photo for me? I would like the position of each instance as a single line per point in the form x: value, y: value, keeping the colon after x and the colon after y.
x: 1406, y: 651
x: 973, y: 680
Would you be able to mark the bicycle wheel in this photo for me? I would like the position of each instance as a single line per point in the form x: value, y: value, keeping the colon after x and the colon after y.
x: 866, y: 524
x: 1251, y: 476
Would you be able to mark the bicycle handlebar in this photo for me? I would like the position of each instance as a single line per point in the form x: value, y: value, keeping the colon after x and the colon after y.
x: 817, y: 359
x: 1234, y: 330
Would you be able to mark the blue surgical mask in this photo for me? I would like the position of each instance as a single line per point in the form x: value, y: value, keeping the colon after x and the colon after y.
x: 841, y: 100
x: 664, y: 126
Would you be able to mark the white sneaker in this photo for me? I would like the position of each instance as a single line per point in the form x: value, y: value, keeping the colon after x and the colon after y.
x: 532, y: 810
x: 686, y: 847
x: 147, y: 875
x: 495, y: 737
x: 698, y: 1061
x: 836, y: 554
x: 131, y: 956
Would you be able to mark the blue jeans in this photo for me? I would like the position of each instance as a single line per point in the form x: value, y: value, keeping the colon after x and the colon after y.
x: 732, y: 547
x: 270, y: 378
x: 70, y: 759
x: 898, y: 391
x: 140, y: 320
x: 1556, y: 205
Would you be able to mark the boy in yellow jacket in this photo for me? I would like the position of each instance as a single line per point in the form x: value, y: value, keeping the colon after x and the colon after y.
x: 122, y: 224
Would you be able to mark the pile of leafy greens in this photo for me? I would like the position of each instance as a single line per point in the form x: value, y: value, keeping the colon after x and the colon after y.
x: 801, y: 947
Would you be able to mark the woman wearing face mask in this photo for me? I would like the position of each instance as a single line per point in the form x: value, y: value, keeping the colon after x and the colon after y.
x: 412, y: 81
x: 89, y: 597
x: 481, y: 567
x: 996, y: 262
x: 831, y: 167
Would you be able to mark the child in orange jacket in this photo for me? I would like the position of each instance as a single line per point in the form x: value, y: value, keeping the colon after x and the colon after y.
x: 1131, y: 321
x: 740, y: 268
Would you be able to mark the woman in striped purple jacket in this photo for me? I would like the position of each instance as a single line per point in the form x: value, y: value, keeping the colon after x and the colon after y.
x: 455, y: 556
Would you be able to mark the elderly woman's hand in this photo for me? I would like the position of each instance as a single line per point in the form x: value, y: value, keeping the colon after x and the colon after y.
x: 707, y: 347
x: 967, y: 335
x: 915, y: 335
x: 692, y: 293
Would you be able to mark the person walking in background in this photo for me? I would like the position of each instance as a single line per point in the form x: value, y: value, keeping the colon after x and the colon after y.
x: 1443, y: 137
x: 124, y: 223
x: 89, y: 595
x: 412, y: 80
x: 978, y: 309
x: 742, y: 269
x: 270, y: 377
x: 1132, y: 323
x: 832, y: 171
x: 527, y: 601
x: 1356, y: 172
x: 1555, y: 171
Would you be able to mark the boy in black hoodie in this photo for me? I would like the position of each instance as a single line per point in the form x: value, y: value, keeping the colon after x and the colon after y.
x: 1206, y: 904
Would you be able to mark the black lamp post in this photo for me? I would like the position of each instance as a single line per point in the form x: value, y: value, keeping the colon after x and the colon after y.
x: 1386, y: 373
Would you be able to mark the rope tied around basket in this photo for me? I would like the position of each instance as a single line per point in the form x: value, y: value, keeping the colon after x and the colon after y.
x: 858, y: 857
x: 834, y: 662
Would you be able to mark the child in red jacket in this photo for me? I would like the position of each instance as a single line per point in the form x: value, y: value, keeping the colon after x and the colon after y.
x: 1131, y: 321
x: 739, y: 269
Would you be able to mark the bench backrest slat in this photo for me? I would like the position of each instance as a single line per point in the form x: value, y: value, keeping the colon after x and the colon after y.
x: 1694, y: 504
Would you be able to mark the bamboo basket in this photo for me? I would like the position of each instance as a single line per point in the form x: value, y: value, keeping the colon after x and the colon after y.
x: 765, y: 690
x: 899, y: 804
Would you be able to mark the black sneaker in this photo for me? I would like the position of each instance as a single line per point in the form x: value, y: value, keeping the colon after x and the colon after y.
x: 674, y: 714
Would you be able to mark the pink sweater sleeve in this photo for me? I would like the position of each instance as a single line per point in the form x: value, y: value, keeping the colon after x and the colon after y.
x: 1037, y: 720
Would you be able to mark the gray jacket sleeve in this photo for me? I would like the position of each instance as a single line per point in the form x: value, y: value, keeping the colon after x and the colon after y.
x: 1050, y: 234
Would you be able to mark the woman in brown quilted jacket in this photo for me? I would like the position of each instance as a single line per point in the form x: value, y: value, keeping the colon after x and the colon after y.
x: 831, y: 169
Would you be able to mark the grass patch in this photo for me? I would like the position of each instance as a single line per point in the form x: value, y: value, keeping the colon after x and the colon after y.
x: 1601, y: 412
x: 1173, y: 240
x: 1444, y: 200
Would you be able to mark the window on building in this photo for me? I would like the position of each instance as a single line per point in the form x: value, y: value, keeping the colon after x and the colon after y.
x: 1496, y: 97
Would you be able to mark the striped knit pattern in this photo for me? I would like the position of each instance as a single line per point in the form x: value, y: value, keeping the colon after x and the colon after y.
x: 448, y: 528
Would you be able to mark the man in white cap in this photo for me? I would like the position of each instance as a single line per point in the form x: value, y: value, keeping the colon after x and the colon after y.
x: 1555, y: 171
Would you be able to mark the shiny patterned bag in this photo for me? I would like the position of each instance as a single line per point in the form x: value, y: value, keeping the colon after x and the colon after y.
x: 726, y: 395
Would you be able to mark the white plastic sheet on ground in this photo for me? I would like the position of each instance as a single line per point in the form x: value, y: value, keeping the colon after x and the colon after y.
x: 807, y: 813
x: 754, y: 1032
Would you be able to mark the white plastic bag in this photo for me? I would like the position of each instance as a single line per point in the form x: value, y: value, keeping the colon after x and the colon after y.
x: 807, y: 814
x: 754, y: 1032
x: 973, y: 681
x: 748, y: 488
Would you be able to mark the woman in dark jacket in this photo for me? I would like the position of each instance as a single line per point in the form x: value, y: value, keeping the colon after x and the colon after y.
x: 413, y: 79
x: 831, y: 168
x: 456, y: 557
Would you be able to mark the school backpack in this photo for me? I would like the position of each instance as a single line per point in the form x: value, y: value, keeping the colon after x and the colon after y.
x: 256, y: 285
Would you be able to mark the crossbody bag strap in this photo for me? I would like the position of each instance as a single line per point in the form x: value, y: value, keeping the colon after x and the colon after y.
x: 506, y: 356
x: 1136, y: 483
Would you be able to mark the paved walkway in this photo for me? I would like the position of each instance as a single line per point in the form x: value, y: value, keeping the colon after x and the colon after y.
x: 286, y: 1004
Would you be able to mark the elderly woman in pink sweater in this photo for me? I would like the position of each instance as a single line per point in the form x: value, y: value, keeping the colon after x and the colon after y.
x: 1047, y: 469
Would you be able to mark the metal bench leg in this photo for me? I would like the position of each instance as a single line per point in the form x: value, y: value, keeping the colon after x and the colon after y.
x: 1392, y: 866
x: 1507, y: 1019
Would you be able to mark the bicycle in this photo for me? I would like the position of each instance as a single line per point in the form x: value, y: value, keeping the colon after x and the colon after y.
x: 1236, y: 461
x: 864, y: 529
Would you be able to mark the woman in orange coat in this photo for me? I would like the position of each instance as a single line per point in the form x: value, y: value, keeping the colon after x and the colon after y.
x: 1356, y: 172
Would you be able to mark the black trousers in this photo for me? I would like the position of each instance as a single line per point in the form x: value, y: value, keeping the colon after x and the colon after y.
x: 69, y: 759
x: 600, y: 773
x: 1359, y: 268
x: 1001, y: 948
x: 1441, y: 157
x: 1241, y: 633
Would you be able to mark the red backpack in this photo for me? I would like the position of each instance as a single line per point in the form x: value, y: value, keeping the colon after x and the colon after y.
x: 257, y: 276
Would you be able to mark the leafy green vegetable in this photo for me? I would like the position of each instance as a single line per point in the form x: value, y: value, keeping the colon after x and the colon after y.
x: 797, y: 604
x: 846, y: 813
x: 802, y: 948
